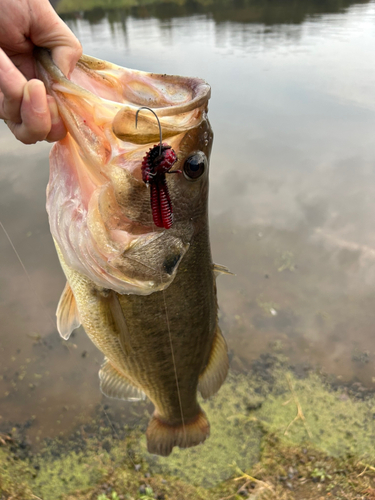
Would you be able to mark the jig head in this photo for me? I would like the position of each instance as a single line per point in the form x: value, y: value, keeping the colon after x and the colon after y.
x: 156, y: 163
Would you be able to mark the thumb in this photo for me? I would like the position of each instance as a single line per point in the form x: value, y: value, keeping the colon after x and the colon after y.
x: 48, y: 30
x: 66, y: 56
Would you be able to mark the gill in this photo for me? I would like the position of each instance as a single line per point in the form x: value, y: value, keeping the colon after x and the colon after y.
x: 161, y: 283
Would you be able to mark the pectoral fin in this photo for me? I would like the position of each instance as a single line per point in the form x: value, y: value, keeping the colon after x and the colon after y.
x: 115, y: 385
x: 67, y: 313
x: 119, y: 321
x: 219, y: 269
x: 217, y: 367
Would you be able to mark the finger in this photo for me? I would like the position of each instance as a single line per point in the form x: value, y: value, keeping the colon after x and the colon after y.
x: 66, y: 57
x: 25, y: 64
x: 35, y: 114
x: 58, y: 130
x: 12, y: 84
x: 48, y: 30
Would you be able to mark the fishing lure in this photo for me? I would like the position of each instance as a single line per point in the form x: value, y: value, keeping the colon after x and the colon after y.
x: 156, y: 163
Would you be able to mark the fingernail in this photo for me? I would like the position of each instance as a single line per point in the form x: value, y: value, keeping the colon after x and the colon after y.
x: 36, y: 95
x: 55, y: 117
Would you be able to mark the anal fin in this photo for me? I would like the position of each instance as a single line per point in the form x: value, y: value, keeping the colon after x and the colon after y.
x: 115, y: 385
x: 163, y: 436
x: 67, y: 313
x: 217, y: 367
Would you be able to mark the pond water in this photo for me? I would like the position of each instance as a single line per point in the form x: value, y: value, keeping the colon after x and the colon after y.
x: 292, y: 196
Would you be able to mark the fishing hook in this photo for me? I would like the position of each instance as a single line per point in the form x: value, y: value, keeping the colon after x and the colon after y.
x: 156, y: 116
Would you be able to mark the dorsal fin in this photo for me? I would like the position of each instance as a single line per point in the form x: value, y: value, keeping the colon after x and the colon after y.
x: 67, y: 313
x: 219, y: 269
x: 217, y: 367
x: 115, y: 385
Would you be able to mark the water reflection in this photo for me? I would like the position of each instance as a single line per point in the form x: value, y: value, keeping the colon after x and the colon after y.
x: 292, y: 195
x: 267, y: 12
x: 249, y: 25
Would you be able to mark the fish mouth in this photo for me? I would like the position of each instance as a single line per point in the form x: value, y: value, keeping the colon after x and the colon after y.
x: 98, y: 205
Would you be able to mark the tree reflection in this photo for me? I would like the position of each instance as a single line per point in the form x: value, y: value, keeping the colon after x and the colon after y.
x: 268, y: 12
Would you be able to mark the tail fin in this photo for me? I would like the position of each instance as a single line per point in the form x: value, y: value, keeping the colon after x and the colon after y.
x: 162, y: 436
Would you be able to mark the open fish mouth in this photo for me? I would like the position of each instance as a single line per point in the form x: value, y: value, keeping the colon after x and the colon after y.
x: 98, y: 205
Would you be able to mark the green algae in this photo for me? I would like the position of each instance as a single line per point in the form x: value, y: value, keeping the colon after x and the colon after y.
x: 338, y: 425
x: 74, y: 471
x: 14, y: 477
x: 253, y: 428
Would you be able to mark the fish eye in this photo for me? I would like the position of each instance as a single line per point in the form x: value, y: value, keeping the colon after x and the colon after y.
x: 195, y: 165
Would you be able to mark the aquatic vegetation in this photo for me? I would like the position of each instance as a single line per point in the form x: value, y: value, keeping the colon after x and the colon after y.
x: 320, y: 474
x: 148, y: 494
x: 286, y: 262
x: 338, y: 425
x: 14, y: 477
x: 113, y: 496
x: 258, y: 447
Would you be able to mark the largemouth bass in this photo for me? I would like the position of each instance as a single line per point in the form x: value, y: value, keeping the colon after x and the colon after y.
x: 145, y: 295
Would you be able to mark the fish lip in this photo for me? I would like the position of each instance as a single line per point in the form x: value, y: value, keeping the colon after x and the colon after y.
x: 201, y: 89
x: 51, y: 75
x: 176, y: 117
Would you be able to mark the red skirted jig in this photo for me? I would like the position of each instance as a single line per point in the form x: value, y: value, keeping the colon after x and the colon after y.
x: 156, y: 163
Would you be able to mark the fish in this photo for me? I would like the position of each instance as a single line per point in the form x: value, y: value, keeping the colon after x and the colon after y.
x: 145, y: 295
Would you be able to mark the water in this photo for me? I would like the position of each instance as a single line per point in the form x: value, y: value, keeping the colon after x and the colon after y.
x: 291, y: 203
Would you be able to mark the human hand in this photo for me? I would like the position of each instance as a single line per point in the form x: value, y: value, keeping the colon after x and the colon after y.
x: 29, y: 112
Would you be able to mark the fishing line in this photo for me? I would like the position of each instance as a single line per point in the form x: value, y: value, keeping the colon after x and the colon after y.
x: 157, y: 118
x: 28, y: 277
x: 163, y: 291
x: 172, y: 352
x: 175, y: 369
x: 174, y: 362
